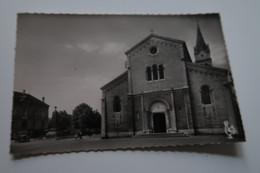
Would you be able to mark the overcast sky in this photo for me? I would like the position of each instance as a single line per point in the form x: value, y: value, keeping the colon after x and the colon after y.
x: 67, y: 58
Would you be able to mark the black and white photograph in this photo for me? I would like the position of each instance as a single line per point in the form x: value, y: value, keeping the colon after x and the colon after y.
x: 96, y: 82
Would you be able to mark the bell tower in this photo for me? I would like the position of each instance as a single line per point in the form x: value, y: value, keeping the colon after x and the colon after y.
x: 201, y: 50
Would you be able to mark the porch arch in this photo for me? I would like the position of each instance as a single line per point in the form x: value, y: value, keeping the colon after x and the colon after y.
x: 158, y: 101
x: 158, y: 116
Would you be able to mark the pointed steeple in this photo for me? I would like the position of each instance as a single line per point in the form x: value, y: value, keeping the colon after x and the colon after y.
x: 201, y: 50
x: 200, y: 43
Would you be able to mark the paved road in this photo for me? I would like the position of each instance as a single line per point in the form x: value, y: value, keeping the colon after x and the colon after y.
x: 37, y: 147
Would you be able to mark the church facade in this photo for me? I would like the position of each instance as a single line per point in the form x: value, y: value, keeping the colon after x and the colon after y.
x: 164, y: 92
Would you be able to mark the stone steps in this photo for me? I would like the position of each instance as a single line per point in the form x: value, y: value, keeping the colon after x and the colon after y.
x: 161, y: 135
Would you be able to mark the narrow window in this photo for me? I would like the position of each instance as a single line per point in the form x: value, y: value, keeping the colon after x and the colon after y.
x: 155, y: 72
x: 205, y: 95
x: 34, y: 113
x: 24, y: 112
x: 149, y: 73
x: 161, y: 71
x: 204, y: 112
x: 34, y: 125
x: 24, y: 125
x: 116, y: 104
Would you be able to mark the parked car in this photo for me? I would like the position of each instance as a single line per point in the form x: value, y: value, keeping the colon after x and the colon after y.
x: 51, y: 134
x: 58, y: 134
x: 23, y: 138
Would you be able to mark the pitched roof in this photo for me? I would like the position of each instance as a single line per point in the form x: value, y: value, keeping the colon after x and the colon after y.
x: 152, y: 35
x: 114, y: 80
x: 24, y: 97
x: 218, y: 69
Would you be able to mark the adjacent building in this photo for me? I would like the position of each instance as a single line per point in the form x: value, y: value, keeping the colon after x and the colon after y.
x: 30, y: 115
x: 163, y: 91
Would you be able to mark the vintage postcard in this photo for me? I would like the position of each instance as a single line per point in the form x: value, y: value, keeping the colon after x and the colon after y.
x: 108, y: 82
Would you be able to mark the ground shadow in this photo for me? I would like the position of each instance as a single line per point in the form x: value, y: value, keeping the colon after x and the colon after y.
x: 229, y: 149
x: 219, y: 149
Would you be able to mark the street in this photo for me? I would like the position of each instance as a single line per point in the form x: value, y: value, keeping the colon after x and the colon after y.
x: 47, y: 146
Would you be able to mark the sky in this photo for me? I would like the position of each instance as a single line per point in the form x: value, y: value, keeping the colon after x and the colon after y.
x: 68, y: 58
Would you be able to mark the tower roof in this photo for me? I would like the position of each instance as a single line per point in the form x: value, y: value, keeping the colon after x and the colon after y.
x: 200, y: 44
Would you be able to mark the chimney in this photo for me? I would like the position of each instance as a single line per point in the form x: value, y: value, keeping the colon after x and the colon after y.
x: 43, y: 99
x: 24, y: 91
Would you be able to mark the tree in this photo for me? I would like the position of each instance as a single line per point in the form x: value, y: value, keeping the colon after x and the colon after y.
x: 60, y: 121
x: 86, y: 119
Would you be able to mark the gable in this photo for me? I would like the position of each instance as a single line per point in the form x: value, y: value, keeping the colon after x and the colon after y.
x: 154, y: 39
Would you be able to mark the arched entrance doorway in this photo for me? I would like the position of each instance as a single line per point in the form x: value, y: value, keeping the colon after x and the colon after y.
x: 159, y: 117
x: 159, y: 123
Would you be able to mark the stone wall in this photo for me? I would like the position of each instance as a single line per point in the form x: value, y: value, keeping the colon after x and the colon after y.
x: 209, y: 118
x: 116, y: 123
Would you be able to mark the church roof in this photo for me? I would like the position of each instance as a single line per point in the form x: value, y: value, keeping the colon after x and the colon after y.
x: 114, y: 80
x: 152, y: 35
x: 209, y: 68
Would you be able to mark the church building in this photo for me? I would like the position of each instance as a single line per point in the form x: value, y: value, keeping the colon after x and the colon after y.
x: 164, y: 92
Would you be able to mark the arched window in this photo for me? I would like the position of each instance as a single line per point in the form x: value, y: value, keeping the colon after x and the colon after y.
x: 161, y: 71
x: 155, y: 72
x: 205, y: 95
x: 148, y: 73
x: 116, y: 104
